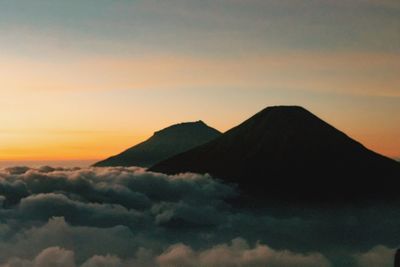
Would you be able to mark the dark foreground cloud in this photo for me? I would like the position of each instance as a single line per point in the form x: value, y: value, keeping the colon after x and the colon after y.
x: 131, y: 217
x: 236, y: 253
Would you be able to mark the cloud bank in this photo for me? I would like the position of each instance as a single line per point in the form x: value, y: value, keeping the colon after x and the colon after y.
x: 131, y: 217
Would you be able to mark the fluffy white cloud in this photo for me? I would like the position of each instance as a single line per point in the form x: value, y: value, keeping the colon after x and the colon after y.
x: 49, y: 257
x: 238, y: 254
x: 55, y: 256
x: 103, y: 261
x: 85, y: 241
x: 379, y: 256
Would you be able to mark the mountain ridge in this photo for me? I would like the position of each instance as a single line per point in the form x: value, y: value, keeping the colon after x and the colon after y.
x: 163, y: 144
x: 284, y: 148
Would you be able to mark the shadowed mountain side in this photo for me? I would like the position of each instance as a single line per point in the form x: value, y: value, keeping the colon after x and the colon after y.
x: 287, y: 153
x: 163, y: 144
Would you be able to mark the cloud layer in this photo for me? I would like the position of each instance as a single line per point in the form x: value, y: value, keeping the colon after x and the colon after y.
x: 130, y: 217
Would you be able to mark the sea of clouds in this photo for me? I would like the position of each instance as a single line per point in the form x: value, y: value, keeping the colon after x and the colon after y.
x: 94, y: 217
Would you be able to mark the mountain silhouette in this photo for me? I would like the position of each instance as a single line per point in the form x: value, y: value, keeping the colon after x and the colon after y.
x: 163, y: 144
x: 287, y: 153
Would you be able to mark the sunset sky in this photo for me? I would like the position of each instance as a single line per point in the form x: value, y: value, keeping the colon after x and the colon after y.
x: 87, y: 79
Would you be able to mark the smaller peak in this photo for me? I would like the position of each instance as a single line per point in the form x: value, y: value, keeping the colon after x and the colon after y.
x: 183, y: 125
x: 190, y: 123
x: 200, y: 122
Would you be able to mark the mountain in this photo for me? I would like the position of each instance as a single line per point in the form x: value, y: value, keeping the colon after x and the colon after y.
x: 287, y: 153
x: 163, y: 144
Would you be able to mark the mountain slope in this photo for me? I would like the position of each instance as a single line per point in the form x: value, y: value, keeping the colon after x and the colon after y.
x: 287, y: 152
x: 163, y: 144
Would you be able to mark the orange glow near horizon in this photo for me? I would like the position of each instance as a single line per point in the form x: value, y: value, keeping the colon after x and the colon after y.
x: 98, y: 152
x: 96, y: 146
x: 76, y: 84
x: 62, y: 147
x: 89, y: 151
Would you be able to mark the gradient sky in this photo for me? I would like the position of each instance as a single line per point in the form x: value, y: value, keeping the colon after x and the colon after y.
x: 86, y: 79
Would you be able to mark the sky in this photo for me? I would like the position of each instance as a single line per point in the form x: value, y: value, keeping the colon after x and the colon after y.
x: 83, y: 80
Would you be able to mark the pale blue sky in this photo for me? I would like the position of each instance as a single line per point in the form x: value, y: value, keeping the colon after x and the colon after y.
x: 206, y: 26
